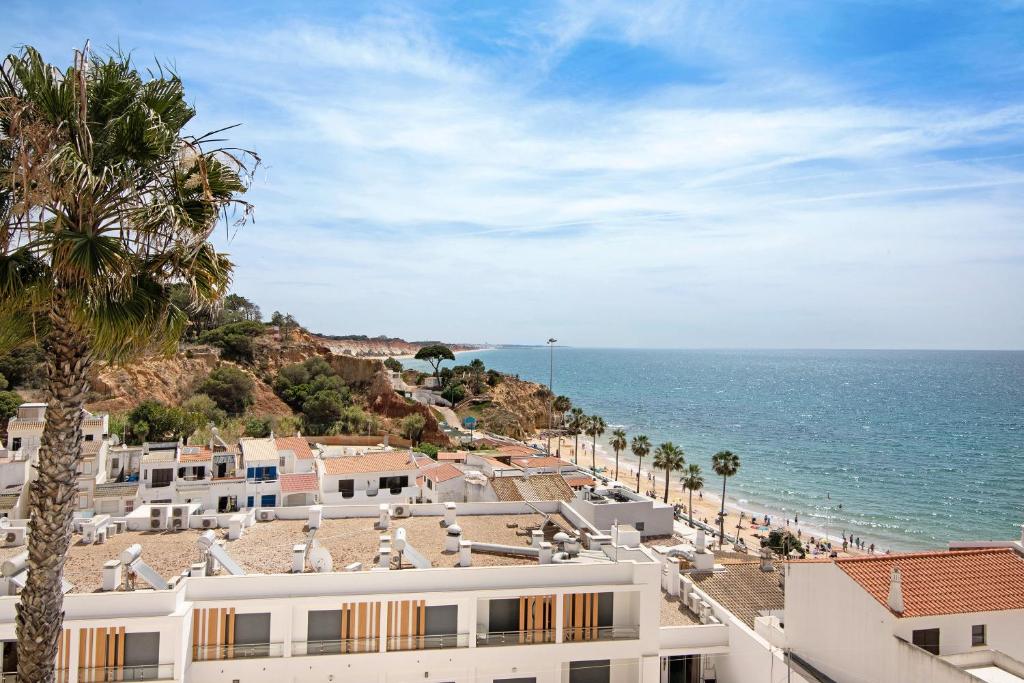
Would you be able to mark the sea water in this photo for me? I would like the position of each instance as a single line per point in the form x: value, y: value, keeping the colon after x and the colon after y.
x: 906, y: 449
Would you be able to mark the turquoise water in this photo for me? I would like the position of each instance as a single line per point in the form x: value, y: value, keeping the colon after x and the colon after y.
x: 917, y: 447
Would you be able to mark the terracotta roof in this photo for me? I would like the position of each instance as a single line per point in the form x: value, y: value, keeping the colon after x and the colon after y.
x: 116, y: 489
x: 541, y: 461
x: 91, y: 447
x: 493, y: 462
x: 296, y: 444
x: 578, y: 480
x: 944, y: 582
x: 160, y: 455
x: 517, y: 450
x: 536, y: 487
x: 19, y: 426
x: 456, y: 456
x: 391, y: 461
x: 195, y: 454
x: 258, y: 450
x: 743, y: 589
x: 299, y: 483
x: 442, y: 472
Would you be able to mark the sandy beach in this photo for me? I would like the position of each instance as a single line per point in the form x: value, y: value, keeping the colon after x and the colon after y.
x: 706, y: 503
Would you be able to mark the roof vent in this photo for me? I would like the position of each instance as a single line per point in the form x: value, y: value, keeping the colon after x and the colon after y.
x: 896, y: 591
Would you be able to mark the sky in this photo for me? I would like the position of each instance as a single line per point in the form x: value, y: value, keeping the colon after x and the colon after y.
x: 843, y: 174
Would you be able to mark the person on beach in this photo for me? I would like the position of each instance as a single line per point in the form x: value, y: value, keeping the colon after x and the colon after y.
x: 872, y: 549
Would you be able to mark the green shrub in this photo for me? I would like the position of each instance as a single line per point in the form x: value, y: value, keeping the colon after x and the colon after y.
x: 235, y: 340
x: 207, y: 407
x: 154, y: 421
x: 428, y: 449
x: 24, y: 367
x: 412, y: 426
x: 258, y: 427
x: 393, y: 364
x: 9, y: 402
x: 230, y: 388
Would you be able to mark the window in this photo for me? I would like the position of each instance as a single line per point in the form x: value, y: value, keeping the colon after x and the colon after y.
x: 323, y: 631
x: 268, y: 501
x: 115, y: 464
x: 253, y: 631
x: 639, y: 526
x: 83, y: 502
x: 592, y: 671
x: 16, y: 443
x: 442, y: 622
x: 978, y: 635
x: 90, y: 437
x: 347, y: 487
x: 86, y: 468
x: 927, y: 639
x: 250, y: 502
x: 394, y: 484
x: 142, y: 652
x: 504, y: 615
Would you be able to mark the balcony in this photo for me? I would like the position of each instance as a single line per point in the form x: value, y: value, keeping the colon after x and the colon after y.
x: 205, y: 653
x: 530, y: 637
x: 309, y: 648
x: 184, y: 483
x: 148, y: 672
x: 579, y: 634
x: 438, y: 642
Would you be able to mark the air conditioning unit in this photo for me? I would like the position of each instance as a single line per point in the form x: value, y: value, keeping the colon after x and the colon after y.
x: 178, y: 512
x: 209, y: 522
x: 156, y: 511
x: 159, y: 516
x: 176, y: 523
x: 156, y: 524
x: 181, y: 517
x: 266, y: 515
x: 400, y: 511
x: 13, y: 536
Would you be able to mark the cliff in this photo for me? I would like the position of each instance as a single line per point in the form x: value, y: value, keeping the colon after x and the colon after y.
x: 514, y: 408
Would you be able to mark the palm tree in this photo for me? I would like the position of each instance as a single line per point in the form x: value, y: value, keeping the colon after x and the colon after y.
x: 670, y: 458
x: 618, y: 443
x: 725, y: 464
x: 641, y: 446
x: 562, y: 405
x: 105, y: 207
x: 595, y: 428
x: 576, y: 424
x: 692, y: 481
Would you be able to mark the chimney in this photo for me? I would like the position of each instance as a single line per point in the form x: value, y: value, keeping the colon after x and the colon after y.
x: 384, y: 517
x: 544, y: 556
x: 766, y: 560
x: 316, y: 513
x: 699, y: 542
x: 111, y: 575
x: 384, y: 558
x: 465, y: 554
x: 449, y: 514
x: 896, y: 591
x: 197, y: 569
x: 536, y: 538
x: 452, y: 538
x: 298, y: 558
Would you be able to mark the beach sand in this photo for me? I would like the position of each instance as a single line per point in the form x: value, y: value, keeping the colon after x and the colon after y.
x: 706, y: 507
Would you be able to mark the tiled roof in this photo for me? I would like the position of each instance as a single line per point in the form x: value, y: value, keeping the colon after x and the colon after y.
x: 537, y: 487
x: 391, y: 461
x: 195, y: 454
x: 258, y: 450
x: 442, y: 472
x: 454, y: 456
x: 743, y: 589
x: 578, y: 480
x: 494, y: 462
x: 299, y: 483
x: 91, y: 447
x: 296, y: 444
x: 541, y: 461
x: 18, y: 426
x: 517, y: 450
x: 953, y: 582
x: 116, y: 489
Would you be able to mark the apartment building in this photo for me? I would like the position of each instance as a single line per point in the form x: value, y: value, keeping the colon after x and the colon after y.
x: 474, y: 592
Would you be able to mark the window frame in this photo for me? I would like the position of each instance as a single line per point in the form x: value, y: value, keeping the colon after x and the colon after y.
x: 974, y: 635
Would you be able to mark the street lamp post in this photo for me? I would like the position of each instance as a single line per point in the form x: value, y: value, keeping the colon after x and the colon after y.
x: 551, y: 381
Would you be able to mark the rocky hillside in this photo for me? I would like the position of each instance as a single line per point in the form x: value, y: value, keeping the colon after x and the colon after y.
x: 513, y: 408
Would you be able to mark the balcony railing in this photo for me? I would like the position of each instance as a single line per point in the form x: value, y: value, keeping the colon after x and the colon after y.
x: 334, y: 647
x: 146, y: 672
x: 575, y: 634
x: 438, y: 642
x: 530, y: 637
x: 203, y: 653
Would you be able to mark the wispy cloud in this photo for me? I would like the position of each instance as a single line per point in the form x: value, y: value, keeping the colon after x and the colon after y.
x: 413, y: 163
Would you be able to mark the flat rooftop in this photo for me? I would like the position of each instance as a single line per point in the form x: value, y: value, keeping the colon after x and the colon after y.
x: 675, y: 613
x: 266, y: 548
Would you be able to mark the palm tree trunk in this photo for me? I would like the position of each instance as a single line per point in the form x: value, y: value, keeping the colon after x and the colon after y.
x: 40, y: 611
x: 576, y: 451
x: 639, y: 466
x: 689, y: 510
x: 616, y: 464
x: 666, y: 485
x: 593, y: 456
x: 721, y: 517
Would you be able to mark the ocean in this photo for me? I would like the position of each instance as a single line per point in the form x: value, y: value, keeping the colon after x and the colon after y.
x: 906, y: 449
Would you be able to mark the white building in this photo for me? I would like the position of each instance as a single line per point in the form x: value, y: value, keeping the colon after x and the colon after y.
x: 933, y: 616
x: 374, y: 477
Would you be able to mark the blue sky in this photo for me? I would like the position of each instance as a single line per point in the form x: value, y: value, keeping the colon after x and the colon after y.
x: 669, y: 174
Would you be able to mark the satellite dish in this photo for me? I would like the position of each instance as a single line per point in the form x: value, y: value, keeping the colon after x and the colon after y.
x: 321, y: 560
